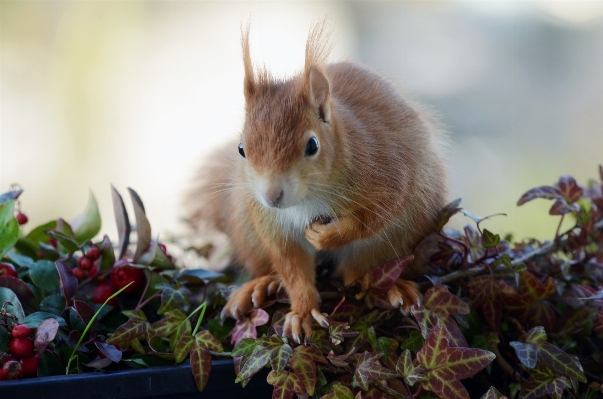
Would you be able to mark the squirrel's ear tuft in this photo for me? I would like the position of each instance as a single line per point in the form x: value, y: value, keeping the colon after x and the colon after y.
x: 249, y: 84
x: 320, y: 94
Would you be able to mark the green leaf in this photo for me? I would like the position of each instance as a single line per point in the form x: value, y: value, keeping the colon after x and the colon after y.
x: 368, y: 369
x: 24, y: 293
x: 9, y: 227
x: 280, y: 358
x: 20, y: 260
x: 88, y: 224
x: 182, y: 348
x: 542, y: 382
x: 38, y: 234
x: 172, y: 299
x: 44, y: 275
x: 490, y: 240
x: 131, y: 329
x: 33, y: 320
x: 204, y: 339
x: 258, y: 359
x: 414, y: 343
x: 285, y: 384
x: 66, y: 244
x: 408, y: 370
x: 244, y: 348
x: 7, y: 295
x: 10, y: 195
x: 54, y: 304
x: 305, y: 370
x: 201, y: 365
x: 169, y: 324
x: 197, y: 275
x: 445, y: 366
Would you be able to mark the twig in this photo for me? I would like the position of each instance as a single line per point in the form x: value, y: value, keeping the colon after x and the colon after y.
x: 545, y: 249
x: 388, y: 391
x: 502, y: 362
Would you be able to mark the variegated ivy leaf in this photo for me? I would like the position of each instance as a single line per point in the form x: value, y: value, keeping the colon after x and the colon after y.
x: 409, y: 370
x: 543, y: 382
x: 200, y: 364
x: 137, y: 326
x: 529, y: 305
x: 368, y: 368
x: 305, y: 369
x: 339, y: 392
x: 487, y: 296
x: 244, y: 348
x: 445, y: 366
x: 439, y: 305
x: 493, y: 394
x: 285, y: 385
x: 338, y: 331
x: 169, y: 324
x: 172, y: 299
x: 182, y: 348
x: 247, y: 327
x: 204, y: 339
x: 379, y: 280
x: 537, y: 351
x: 280, y: 358
x: 254, y: 363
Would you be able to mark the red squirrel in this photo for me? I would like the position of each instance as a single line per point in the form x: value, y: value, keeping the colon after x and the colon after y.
x: 333, y: 159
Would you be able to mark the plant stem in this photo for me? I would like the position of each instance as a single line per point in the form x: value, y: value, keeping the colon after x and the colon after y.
x: 88, y: 327
x: 146, y: 288
x: 545, y: 249
x: 149, y: 299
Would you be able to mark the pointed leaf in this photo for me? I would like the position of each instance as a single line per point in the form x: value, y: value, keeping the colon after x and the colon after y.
x: 45, y: 334
x: 569, y: 189
x: 560, y: 362
x: 526, y: 353
x: 86, y: 313
x: 285, y: 385
x: 546, y: 192
x: 66, y: 244
x: 143, y: 227
x: 107, y: 258
x: 368, y: 369
x: 258, y: 359
x: 122, y: 221
x: 447, y: 212
x: 9, y: 227
x: 201, y: 365
x: 408, y: 370
x: 441, y: 383
x: 110, y: 351
x: 68, y: 281
x: 385, y: 276
x: 339, y: 392
x: 493, y: 394
x: 204, y: 339
x: 26, y: 296
x: 172, y: 299
x: 443, y: 303
x: 131, y: 329
x: 244, y: 348
x: 183, y: 347
x: 490, y: 240
x: 280, y: 358
x: 305, y: 369
x: 88, y: 224
x: 246, y: 327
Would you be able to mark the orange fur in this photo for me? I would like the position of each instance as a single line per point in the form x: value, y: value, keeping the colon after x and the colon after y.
x: 379, y: 175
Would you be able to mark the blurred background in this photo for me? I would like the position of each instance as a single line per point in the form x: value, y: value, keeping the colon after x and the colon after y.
x: 136, y: 93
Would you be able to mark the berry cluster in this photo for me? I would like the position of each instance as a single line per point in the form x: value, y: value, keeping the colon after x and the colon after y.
x: 88, y: 264
x: 21, y: 361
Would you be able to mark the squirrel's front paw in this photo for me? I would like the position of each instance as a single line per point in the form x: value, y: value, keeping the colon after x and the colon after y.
x: 403, y: 295
x: 252, y: 293
x: 325, y: 236
x: 297, y: 325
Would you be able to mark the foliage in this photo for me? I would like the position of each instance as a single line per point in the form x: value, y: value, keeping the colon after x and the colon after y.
x: 498, y: 319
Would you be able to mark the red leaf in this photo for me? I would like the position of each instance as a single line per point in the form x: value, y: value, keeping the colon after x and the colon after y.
x: 246, y: 327
x: 443, y: 303
x: 201, y: 365
x: 385, y: 276
x: 368, y: 369
x: 546, y: 192
x: 68, y: 281
x: 305, y: 370
x: 285, y: 385
x: 485, y: 293
x: 85, y: 312
x: 569, y: 188
x: 445, y: 366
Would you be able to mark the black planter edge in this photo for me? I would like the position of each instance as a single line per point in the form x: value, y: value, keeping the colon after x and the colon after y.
x: 155, y: 382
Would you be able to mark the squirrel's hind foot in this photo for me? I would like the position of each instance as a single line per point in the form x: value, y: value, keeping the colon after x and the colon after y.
x: 403, y: 295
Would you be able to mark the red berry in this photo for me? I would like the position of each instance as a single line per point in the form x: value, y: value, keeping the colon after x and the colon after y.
x: 6, y: 269
x: 78, y: 273
x: 163, y: 248
x: 29, y: 366
x: 122, y: 276
x: 20, y: 331
x: 22, y: 218
x: 102, y: 292
x: 85, y: 263
x: 11, y: 370
x: 93, y: 253
x: 94, y: 269
x: 21, y: 347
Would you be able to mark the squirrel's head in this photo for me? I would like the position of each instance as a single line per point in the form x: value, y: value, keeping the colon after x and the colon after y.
x: 289, y: 140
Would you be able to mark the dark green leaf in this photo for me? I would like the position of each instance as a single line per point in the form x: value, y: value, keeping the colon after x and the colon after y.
x: 7, y: 295
x: 44, y: 275
x: 197, y: 275
x: 67, y: 244
x: 23, y: 292
x: 33, y: 320
x: 490, y: 240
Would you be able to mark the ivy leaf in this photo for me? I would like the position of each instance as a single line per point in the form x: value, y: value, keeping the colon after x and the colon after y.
x: 339, y: 392
x: 368, y: 369
x: 493, y: 394
x: 88, y: 224
x: 244, y: 348
x: 204, y: 339
x: 172, y: 299
x: 170, y: 323
x: 570, y: 190
x: 182, y: 347
x: 246, y: 327
x: 280, y: 358
x: 445, y: 366
x: 413, y: 343
x: 305, y: 370
x: 529, y: 305
x: 9, y: 227
x: 200, y: 364
x: 258, y: 359
x: 379, y: 280
x: 486, y: 295
x: 526, y: 353
x: 122, y: 221
x: 136, y: 326
x: 411, y: 372
x: 545, y: 192
x: 490, y: 240
x: 543, y: 382
x: 338, y: 331
x: 439, y: 305
x: 45, y: 334
x: 285, y: 385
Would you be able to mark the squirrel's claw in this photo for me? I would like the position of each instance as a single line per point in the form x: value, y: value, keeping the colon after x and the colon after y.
x: 297, y: 326
x: 325, y: 236
x: 403, y: 295
x: 251, y: 294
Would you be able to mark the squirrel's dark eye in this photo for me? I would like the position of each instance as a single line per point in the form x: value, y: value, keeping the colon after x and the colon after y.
x: 312, y: 146
x: 241, y: 151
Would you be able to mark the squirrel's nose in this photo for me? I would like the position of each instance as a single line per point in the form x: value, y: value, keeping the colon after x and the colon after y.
x: 275, y: 200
